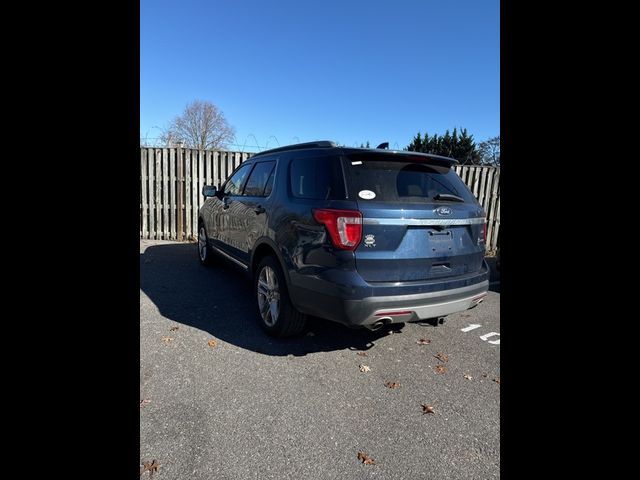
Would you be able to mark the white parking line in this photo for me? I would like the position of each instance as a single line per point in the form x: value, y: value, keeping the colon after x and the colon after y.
x: 485, y: 337
x: 473, y: 326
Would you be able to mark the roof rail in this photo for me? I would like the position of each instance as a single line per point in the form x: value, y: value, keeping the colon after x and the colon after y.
x: 300, y: 146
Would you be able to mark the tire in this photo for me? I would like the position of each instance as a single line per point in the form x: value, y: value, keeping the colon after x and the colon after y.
x: 272, y: 300
x: 205, y: 254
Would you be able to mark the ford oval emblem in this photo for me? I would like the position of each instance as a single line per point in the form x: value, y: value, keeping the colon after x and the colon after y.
x: 443, y: 211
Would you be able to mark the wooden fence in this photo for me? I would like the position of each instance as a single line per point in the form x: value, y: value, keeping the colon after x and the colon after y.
x: 484, y: 182
x: 164, y: 171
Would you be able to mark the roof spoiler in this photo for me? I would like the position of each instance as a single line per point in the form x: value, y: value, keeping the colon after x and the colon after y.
x: 401, y: 155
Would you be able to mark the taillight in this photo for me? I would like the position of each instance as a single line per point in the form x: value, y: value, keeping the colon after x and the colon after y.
x: 344, y: 226
x: 484, y: 231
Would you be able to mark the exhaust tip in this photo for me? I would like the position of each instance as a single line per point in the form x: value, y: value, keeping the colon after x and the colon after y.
x: 379, y: 324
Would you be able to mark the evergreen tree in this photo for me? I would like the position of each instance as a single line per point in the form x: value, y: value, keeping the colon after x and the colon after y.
x: 457, y: 144
x: 416, y: 144
x: 447, y: 146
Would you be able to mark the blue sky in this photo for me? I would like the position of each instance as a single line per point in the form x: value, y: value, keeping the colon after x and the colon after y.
x: 349, y: 71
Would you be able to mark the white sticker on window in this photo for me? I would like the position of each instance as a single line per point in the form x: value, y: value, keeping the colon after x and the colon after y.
x: 357, y: 162
x: 367, y: 194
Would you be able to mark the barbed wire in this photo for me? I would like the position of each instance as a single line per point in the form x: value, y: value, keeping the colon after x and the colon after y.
x: 159, y: 142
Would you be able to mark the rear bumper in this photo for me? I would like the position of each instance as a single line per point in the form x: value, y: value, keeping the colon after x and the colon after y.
x: 346, y: 298
x: 407, y: 308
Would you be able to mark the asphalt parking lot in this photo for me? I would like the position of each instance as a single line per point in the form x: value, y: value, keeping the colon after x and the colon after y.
x: 251, y: 407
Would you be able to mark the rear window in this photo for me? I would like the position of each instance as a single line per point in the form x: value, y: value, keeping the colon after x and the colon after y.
x: 372, y: 177
x: 317, y: 178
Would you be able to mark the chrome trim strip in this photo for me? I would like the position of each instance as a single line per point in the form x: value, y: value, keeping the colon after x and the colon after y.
x: 226, y: 255
x: 423, y: 221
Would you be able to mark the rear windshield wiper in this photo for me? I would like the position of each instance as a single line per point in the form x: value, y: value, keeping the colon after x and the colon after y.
x: 448, y: 196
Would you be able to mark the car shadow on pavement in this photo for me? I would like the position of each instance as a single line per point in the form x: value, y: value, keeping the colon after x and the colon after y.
x: 218, y: 300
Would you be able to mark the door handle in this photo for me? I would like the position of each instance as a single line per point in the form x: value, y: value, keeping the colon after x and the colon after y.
x: 259, y: 209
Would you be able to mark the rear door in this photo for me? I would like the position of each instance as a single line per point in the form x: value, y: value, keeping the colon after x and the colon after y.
x: 420, y: 222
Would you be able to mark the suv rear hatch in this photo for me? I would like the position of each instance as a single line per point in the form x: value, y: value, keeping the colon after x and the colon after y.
x: 420, y: 221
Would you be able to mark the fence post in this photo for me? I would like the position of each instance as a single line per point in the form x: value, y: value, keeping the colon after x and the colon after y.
x: 180, y: 200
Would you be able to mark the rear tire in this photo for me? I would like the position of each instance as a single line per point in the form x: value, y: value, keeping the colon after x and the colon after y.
x: 204, y: 250
x: 277, y: 315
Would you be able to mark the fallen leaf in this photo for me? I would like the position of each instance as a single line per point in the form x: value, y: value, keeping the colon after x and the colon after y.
x: 484, y: 375
x: 467, y: 376
x: 144, y: 401
x: 364, y: 368
x: 426, y: 409
x: 366, y: 459
x: 362, y: 354
x: 442, y: 357
x: 392, y: 384
x: 150, y: 467
x: 440, y: 368
x: 212, y: 343
x: 173, y: 329
x: 497, y: 380
x: 423, y: 341
x: 167, y: 340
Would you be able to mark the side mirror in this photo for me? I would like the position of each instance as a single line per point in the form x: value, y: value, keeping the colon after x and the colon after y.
x: 209, y: 191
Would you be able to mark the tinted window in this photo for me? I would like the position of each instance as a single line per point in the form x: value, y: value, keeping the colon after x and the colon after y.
x: 400, y: 181
x: 318, y: 178
x: 234, y: 184
x: 269, y: 186
x: 258, y: 179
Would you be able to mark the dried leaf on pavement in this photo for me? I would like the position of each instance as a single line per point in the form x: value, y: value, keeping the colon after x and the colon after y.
x: 173, y: 329
x: 167, y: 340
x: 362, y: 354
x: 423, y: 341
x: 485, y: 375
x: 467, y: 376
x: 150, y: 467
x: 364, y: 368
x: 212, y: 343
x: 497, y: 380
x: 365, y: 458
x: 442, y: 357
x: 144, y: 401
x: 440, y: 368
x: 426, y: 409
x: 392, y: 384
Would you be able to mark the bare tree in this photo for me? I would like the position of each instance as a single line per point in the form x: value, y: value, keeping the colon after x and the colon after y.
x: 490, y: 151
x: 202, y: 125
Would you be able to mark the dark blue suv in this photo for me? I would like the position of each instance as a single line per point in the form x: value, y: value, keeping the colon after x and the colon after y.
x: 364, y: 237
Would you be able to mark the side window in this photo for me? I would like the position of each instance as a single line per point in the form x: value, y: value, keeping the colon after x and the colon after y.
x: 258, y: 179
x: 234, y: 184
x: 317, y: 178
x: 269, y: 186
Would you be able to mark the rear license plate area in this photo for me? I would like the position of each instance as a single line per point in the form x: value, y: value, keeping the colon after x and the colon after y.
x: 440, y: 241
